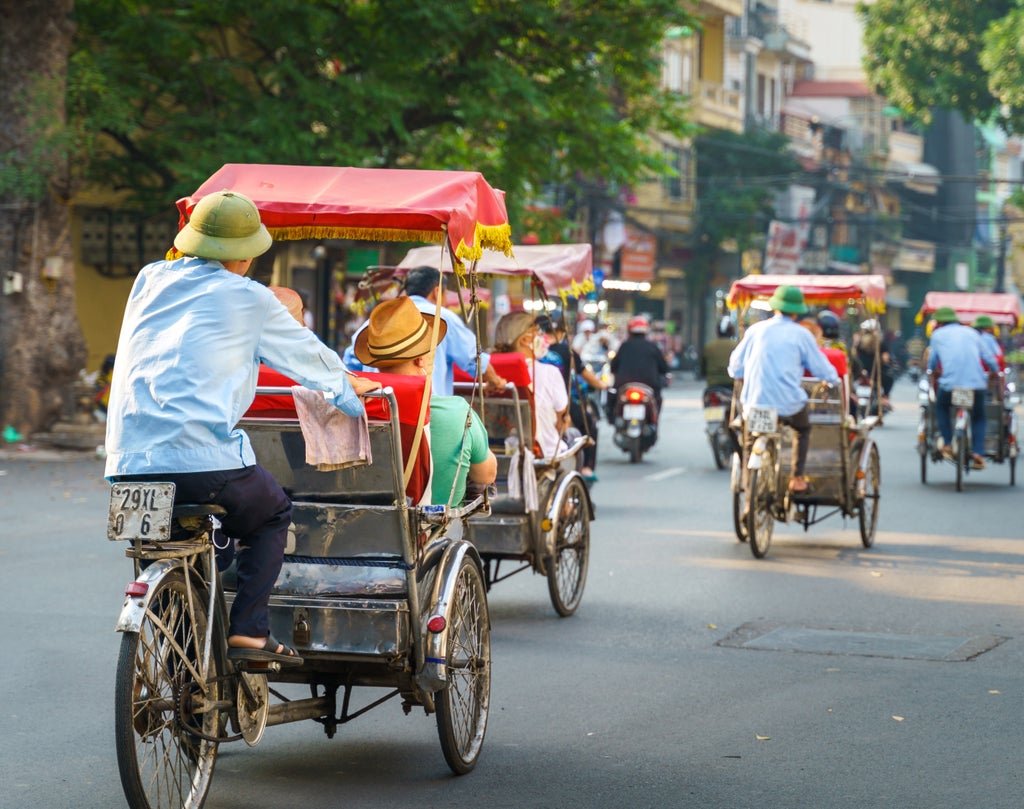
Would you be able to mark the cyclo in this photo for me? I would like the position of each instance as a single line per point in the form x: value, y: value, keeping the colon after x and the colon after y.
x: 539, y: 518
x: 843, y: 461
x: 1000, y: 418
x: 374, y: 592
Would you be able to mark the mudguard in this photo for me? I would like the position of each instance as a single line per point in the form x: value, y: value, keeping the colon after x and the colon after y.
x: 756, y: 452
x: 434, y: 675
x: 134, y: 608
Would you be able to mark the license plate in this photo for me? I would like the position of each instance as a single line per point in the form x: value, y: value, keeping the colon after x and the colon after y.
x: 633, y: 411
x: 762, y: 419
x: 863, y: 392
x: 714, y: 413
x: 962, y: 397
x: 140, y: 511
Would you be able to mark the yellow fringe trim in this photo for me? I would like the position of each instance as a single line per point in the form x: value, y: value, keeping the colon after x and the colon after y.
x: 361, y: 234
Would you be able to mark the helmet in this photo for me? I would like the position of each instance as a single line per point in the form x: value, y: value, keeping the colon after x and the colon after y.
x: 789, y: 300
x: 945, y: 314
x: 983, y: 322
x: 829, y: 322
x: 869, y: 325
x: 224, y: 226
x: 726, y: 328
x: 586, y: 325
x: 638, y: 325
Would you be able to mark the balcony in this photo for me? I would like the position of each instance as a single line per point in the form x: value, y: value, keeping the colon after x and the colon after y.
x: 718, y: 8
x: 717, y: 106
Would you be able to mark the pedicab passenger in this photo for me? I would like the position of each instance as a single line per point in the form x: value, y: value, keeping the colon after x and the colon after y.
x: 962, y: 358
x: 194, y: 332
x: 267, y: 405
x: 833, y: 355
x: 397, y: 340
x: 518, y: 333
x: 771, y: 360
x: 986, y: 327
x: 423, y: 285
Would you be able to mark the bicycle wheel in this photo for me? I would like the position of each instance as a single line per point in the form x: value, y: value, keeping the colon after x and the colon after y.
x: 567, y: 566
x: 867, y: 513
x: 760, y: 521
x: 739, y: 518
x: 463, y: 704
x: 961, y: 440
x: 163, y: 764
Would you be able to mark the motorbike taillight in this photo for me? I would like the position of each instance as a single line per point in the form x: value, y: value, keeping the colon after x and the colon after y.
x: 713, y: 399
x: 634, y: 395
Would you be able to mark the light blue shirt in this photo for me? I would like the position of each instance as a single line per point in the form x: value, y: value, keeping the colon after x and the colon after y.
x: 771, y: 360
x: 192, y: 340
x: 458, y: 347
x: 960, y: 350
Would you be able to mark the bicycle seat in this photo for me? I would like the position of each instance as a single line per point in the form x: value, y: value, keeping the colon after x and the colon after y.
x: 186, y: 510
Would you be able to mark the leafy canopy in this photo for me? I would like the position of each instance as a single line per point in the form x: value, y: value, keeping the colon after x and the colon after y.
x: 960, y: 55
x: 526, y: 91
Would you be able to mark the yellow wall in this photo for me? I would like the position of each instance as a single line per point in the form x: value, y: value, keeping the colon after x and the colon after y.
x: 712, y: 67
x: 100, y: 303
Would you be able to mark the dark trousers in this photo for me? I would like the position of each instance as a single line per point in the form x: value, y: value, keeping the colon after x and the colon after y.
x: 586, y: 423
x: 259, y: 513
x: 801, y: 423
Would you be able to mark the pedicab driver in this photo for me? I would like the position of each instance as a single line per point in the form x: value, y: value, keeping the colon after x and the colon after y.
x: 771, y: 360
x: 959, y: 351
x: 194, y: 333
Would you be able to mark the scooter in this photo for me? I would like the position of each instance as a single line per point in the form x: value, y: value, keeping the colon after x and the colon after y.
x: 717, y: 401
x: 635, y: 420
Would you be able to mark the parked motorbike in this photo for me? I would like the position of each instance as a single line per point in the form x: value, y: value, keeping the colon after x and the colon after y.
x: 635, y: 420
x: 717, y: 402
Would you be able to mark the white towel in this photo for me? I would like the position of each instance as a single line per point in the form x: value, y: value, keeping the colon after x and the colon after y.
x: 522, y: 479
x: 334, y: 440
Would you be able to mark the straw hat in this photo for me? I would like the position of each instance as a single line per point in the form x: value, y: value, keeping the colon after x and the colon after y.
x: 397, y: 332
x: 224, y: 226
x: 510, y: 328
x: 292, y: 301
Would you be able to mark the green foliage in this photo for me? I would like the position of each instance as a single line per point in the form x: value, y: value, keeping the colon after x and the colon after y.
x: 737, y: 177
x: 951, y: 54
x: 527, y: 92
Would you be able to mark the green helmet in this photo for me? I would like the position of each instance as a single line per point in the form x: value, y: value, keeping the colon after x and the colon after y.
x: 224, y: 226
x: 983, y: 322
x: 945, y: 314
x: 789, y: 300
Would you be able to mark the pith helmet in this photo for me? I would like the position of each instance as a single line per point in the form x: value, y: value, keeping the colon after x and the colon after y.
x: 224, y: 226
x: 788, y: 299
x: 983, y: 322
x: 945, y: 314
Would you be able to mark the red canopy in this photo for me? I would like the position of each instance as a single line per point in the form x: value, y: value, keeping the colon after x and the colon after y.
x: 1002, y: 307
x: 558, y: 267
x: 331, y: 202
x: 819, y: 290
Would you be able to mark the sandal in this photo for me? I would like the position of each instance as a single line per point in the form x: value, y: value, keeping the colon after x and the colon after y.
x: 977, y: 462
x: 268, y: 654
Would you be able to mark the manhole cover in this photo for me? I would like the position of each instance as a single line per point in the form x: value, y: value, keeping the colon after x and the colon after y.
x: 773, y: 637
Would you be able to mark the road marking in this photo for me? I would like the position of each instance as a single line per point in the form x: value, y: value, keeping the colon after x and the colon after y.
x: 668, y: 473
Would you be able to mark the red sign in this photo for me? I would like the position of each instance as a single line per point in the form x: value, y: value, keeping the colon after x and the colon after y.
x: 638, y: 254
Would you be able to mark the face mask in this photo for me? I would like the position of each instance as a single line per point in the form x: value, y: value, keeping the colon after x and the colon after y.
x: 540, y: 345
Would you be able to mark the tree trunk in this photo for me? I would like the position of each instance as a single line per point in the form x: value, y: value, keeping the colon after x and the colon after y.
x: 41, y: 344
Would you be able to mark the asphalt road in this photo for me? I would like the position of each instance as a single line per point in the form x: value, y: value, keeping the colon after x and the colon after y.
x: 693, y: 675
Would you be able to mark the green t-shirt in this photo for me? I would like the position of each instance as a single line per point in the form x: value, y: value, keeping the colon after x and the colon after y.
x: 447, y: 426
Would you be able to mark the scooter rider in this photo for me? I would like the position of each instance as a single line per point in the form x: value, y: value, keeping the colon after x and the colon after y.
x: 963, y: 357
x: 771, y: 360
x: 639, y: 360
